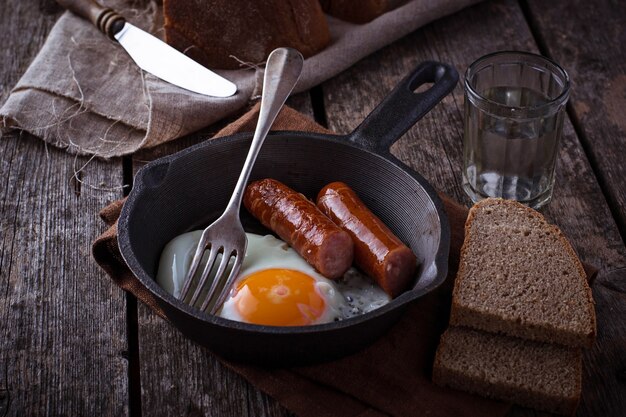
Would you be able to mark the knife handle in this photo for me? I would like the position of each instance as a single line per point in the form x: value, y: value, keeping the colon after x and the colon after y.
x: 107, y: 20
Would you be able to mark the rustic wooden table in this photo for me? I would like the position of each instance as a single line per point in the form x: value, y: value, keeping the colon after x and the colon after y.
x: 74, y: 344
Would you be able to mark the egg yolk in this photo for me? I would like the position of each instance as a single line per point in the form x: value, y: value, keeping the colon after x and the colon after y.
x: 279, y: 297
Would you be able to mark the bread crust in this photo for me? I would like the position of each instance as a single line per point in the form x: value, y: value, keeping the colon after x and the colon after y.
x: 222, y: 34
x: 464, y: 315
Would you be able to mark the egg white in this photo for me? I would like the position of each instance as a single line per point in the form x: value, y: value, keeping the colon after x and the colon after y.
x: 352, y: 295
x: 175, y: 261
x: 267, y: 252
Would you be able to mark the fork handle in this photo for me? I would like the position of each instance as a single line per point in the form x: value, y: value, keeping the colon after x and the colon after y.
x: 282, y: 72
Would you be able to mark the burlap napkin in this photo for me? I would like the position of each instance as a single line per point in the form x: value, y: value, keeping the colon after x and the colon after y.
x: 389, y: 378
x: 84, y: 93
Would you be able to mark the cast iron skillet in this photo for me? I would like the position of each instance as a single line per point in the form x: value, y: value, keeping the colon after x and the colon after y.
x: 189, y: 189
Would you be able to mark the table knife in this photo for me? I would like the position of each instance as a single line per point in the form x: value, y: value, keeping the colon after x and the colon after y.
x: 150, y: 53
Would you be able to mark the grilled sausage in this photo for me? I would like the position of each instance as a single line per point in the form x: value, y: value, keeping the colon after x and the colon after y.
x: 377, y: 251
x: 300, y: 223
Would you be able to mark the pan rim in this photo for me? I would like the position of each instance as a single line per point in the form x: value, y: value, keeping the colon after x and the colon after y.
x: 441, y: 257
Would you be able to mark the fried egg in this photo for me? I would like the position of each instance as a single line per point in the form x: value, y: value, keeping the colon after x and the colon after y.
x: 276, y: 286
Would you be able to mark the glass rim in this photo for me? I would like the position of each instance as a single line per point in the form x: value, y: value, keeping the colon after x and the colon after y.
x: 560, y: 71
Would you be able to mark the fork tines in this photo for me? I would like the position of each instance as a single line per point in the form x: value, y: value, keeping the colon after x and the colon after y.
x: 227, y: 265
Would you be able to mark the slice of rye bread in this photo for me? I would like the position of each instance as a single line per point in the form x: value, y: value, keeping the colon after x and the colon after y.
x: 539, y: 375
x: 518, y: 275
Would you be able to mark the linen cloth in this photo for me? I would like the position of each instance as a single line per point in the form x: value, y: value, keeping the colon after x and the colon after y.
x: 83, y: 92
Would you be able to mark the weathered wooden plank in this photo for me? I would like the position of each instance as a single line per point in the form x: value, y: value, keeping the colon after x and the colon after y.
x: 177, y: 376
x: 434, y: 148
x: 56, y: 383
x: 589, y: 41
x: 24, y: 26
x: 302, y: 103
x: 62, y: 321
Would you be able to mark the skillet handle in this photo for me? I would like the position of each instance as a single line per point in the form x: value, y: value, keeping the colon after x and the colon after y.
x: 402, y: 108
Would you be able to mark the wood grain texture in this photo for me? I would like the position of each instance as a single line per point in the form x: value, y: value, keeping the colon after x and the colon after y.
x: 434, y: 148
x: 179, y: 377
x: 589, y: 41
x: 26, y: 25
x: 62, y: 319
x: 434, y: 145
x: 604, y: 366
x: 63, y: 345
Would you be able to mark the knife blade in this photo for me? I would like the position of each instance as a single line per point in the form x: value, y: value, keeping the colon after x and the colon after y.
x: 150, y: 53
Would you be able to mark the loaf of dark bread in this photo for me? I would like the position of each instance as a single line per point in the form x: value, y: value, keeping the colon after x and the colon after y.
x: 518, y: 275
x: 359, y: 11
x: 224, y: 33
x: 532, y: 374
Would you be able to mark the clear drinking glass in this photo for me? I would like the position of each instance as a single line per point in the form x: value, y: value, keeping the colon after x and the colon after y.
x: 514, y: 110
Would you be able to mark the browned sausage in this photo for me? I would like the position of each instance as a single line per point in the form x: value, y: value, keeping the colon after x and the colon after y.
x: 377, y: 251
x: 300, y: 223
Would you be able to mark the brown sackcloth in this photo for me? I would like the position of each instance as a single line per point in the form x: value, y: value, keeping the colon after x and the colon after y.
x: 390, y: 377
x: 83, y: 92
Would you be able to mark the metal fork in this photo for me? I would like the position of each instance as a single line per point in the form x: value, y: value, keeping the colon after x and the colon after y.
x: 226, y: 235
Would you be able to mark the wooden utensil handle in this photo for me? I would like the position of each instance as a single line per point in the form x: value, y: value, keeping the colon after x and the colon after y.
x: 105, y: 19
